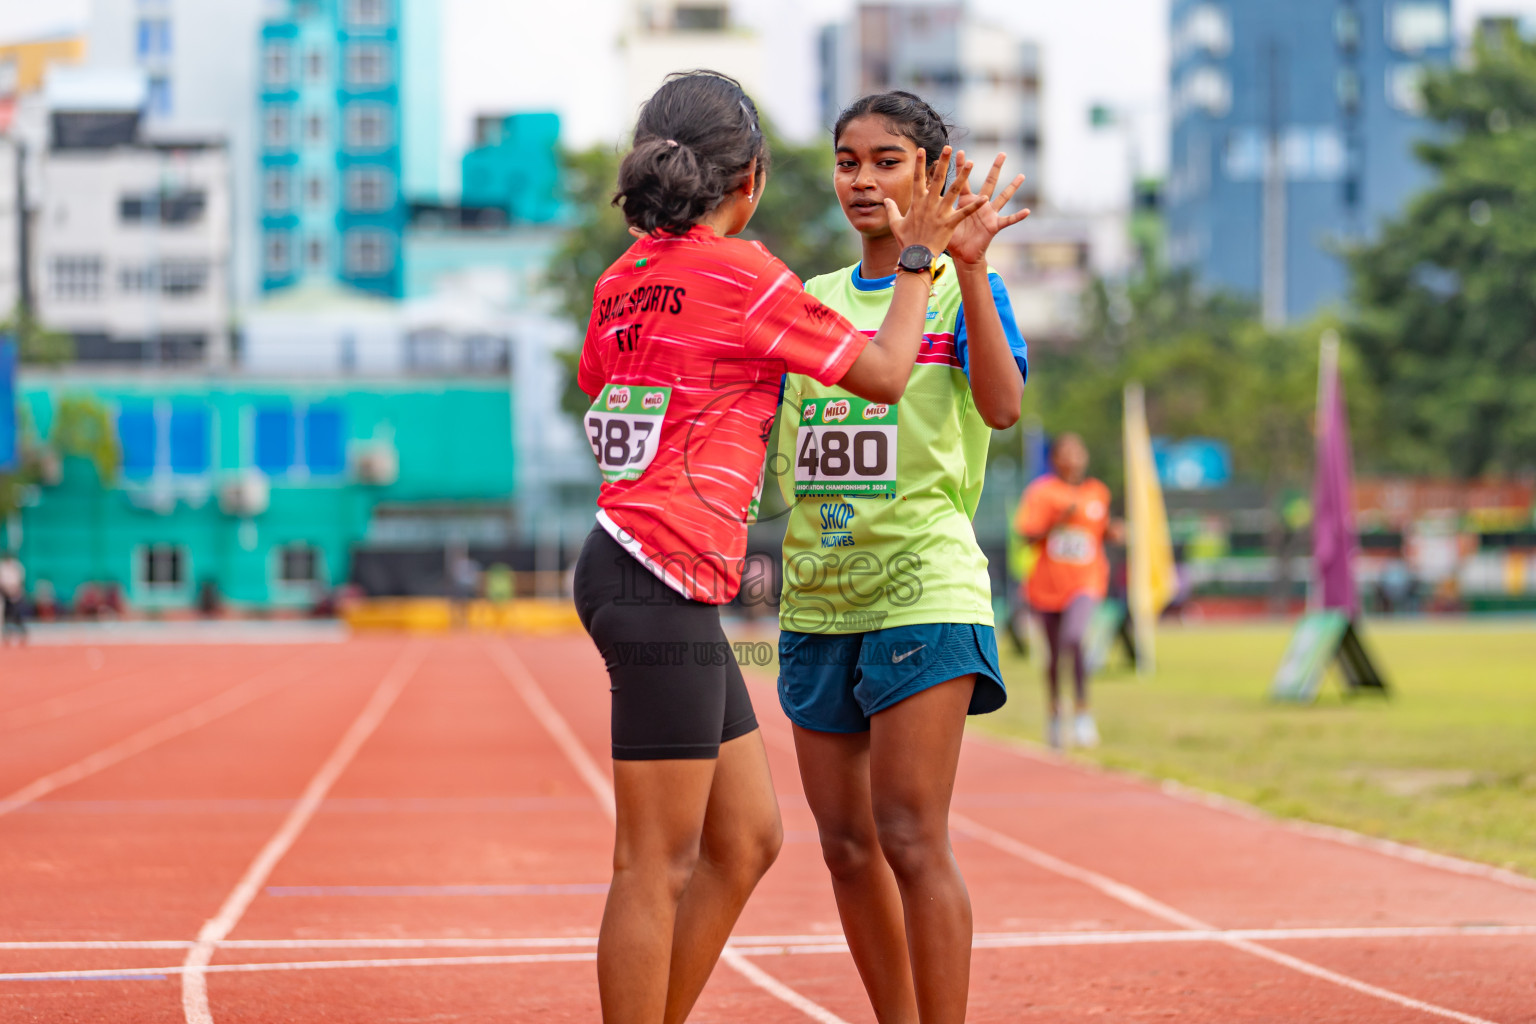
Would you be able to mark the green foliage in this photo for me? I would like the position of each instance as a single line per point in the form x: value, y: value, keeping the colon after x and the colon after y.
x: 1445, y: 763
x: 35, y: 344
x: 1445, y: 300
x: 82, y: 427
x: 798, y: 218
x: 1209, y: 368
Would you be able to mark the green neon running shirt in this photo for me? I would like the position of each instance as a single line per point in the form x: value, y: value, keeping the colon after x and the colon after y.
x: 881, y: 497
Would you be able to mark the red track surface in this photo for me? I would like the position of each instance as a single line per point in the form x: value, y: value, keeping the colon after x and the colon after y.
x: 396, y: 830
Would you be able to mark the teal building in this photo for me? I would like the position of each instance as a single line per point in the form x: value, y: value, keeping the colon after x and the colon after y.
x: 269, y: 489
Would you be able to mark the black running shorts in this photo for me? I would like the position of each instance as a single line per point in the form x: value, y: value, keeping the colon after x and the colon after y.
x: 677, y: 689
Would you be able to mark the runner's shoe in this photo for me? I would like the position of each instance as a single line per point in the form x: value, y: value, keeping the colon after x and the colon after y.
x: 1084, y: 732
x: 1053, y: 731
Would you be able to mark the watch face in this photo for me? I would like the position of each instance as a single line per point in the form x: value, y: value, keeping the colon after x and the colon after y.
x: 915, y: 257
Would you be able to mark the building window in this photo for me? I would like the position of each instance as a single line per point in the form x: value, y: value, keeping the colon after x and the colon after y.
x: 1405, y: 88
x: 163, y: 566
x: 154, y: 37
x: 314, y: 128
x: 1346, y: 28
x: 181, y: 278
x: 279, y: 253
x: 1205, y: 29
x: 77, y: 278
x: 368, y: 188
x: 277, y: 188
x: 314, y: 190
x: 314, y: 65
x: 367, y: 64
x: 1414, y: 26
x: 185, y: 207
x: 298, y: 563
x: 314, y: 254
x: 277, y: 128
x: 701, y: 18
x: 277, y: 65
x: 1204, y: 89
x: 368, y: 252
x: 159, y: 98
x: 367, y: 13
x: 368, y: 126
x: 1347, y: 85
x: 136, y: 279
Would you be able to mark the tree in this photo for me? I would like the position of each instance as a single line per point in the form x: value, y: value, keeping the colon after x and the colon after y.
x: 82, y: 428
x: 798, y: 218
x: 36, y: 344
x: 1445, y: 300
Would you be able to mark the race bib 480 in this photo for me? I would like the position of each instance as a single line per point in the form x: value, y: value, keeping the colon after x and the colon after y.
x: 845, y: 446
x: 624, y: 428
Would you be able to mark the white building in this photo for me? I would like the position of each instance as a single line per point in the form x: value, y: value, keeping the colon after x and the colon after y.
x: 663, y: 36
x: 131, y: 249
x: 10, y: 228
x: 974, y: 72
x: 199, y: 60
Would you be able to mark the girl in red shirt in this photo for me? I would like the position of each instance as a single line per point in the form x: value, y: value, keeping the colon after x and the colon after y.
x: 690, y: 335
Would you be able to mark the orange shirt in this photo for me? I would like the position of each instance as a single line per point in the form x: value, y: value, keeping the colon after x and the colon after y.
x: 1071, y: 558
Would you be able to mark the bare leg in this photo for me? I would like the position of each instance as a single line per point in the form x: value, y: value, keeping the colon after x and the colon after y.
x: 661, y: 809
x: 742, y: 836
x: 835, y: 767
x: 914, y: 751
x: 1051, y: 623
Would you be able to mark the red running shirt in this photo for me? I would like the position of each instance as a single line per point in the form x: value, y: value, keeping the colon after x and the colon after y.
x: 689, y: 340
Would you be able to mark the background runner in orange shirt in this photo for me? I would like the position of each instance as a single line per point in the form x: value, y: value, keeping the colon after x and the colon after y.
x: 1065, y: 516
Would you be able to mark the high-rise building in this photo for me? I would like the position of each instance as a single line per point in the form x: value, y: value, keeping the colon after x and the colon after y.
x: 199, y: 59
x: 330, y: 145
x: 1292, y: 131
x: 131, y: 251
x: 663, y: 36
x: 975, y: 72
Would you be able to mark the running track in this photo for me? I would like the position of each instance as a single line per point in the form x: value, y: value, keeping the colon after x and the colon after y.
x: 418, y: 829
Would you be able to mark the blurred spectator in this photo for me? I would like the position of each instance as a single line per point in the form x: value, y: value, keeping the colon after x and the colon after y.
x: 45, y: 602
x: 210, y: 603
x: 1396, y: 589
x: 13, y: 599
x: 500, y: 584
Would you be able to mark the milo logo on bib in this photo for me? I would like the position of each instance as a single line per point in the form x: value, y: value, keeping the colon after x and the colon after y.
x: 846, y: 446
x: 618, y: 398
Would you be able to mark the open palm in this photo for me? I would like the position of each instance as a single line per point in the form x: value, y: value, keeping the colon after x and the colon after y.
x: 973, y: 235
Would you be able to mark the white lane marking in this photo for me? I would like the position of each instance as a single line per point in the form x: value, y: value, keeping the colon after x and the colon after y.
x: 75, y: 700
x: 560, y: 731
x: 195, y: 717
x: 194, y: 985
x: 1231, y: 805
x: 187, y: 970
x: 755, y: 945
x: 1141, y: 901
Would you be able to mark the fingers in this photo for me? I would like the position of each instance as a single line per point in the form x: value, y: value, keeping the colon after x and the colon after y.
x: 1008, y: 192
x: 1011, y: 220
x: 963, y: 175
x: 940, y: 169
x: 990, y: 184
x: 920, y: 175
x: 968, y: 206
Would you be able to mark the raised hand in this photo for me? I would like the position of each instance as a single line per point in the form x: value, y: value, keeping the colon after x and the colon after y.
x: 974, y: 234
x: 932, y: 217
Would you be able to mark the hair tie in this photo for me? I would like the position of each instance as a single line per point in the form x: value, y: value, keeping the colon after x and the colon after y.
x: 672, y: 143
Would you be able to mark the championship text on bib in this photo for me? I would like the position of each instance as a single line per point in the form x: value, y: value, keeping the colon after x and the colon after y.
x: 624, y: 428
x: 845, y: 446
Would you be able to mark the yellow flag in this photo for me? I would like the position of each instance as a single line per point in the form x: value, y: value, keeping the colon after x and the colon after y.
x: 1151, y: 582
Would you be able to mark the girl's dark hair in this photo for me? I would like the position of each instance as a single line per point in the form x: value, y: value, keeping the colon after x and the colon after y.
x: 905, y: 114
x: 694, y: 139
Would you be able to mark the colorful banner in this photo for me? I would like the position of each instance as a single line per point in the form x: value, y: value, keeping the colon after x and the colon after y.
x: 1334, y: 544
x: 1151, y: 581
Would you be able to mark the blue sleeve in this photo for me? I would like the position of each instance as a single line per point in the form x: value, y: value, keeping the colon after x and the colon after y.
x: 1010, y: 330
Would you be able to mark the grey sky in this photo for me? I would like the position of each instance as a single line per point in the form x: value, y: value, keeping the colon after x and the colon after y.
x: 534, y: 54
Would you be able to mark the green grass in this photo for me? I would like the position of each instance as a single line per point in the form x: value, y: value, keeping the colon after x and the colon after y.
x: 1447, y: 762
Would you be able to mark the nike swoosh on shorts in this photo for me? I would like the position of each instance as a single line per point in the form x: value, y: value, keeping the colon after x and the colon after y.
x: 903, y: 657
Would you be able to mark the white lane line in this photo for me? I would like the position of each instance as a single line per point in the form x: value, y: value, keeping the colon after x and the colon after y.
x: 187, y: 970
x: 1141, y: 901
x: 199, y: 715
x: 560, y: 731
x: 75, y: 700
x: 194, y: 985
x: 1231, y: 805
x: 755, y: 945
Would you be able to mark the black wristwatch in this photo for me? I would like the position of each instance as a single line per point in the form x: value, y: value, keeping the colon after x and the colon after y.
x: 915, y: 259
